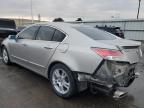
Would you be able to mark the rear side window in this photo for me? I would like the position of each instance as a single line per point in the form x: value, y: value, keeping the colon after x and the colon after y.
x: 4, y: 23
x: 58, y: 36
x: 29, y: 33
x: 95, y: 33
x: 45, y: 33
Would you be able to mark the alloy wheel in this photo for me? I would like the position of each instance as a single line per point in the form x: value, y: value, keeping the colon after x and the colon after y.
x: 5, y: 56
x: 60, y: 81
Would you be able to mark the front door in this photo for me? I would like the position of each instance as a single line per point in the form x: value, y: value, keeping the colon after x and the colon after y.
x: 19, y: 47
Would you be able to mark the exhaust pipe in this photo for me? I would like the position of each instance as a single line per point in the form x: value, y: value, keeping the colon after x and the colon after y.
x: 119, y: 94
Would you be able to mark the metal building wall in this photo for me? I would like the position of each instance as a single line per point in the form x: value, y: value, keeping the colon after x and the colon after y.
x: 133, y: 29
x: 22, y: 22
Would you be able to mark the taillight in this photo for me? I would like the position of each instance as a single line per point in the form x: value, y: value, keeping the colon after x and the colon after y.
x: 107, y: 52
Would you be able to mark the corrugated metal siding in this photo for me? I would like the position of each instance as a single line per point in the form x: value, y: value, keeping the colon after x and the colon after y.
x: 133, y: 29
x: 134, y: 35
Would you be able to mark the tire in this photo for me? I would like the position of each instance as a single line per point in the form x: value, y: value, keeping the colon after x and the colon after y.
x: 5, y: 56
x: 62, y: 81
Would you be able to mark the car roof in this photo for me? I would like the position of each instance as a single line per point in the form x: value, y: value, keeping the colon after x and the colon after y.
x: 63, y: 25
x: 67, y: 28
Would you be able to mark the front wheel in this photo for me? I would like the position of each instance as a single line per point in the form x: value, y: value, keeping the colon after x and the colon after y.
x: 62, y: 81
x: 5, y: 56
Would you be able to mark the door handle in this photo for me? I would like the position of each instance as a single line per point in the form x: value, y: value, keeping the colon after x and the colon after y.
x: 48, y: 47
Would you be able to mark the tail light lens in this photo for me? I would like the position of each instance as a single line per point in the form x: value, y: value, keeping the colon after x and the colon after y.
x: 107, y: 52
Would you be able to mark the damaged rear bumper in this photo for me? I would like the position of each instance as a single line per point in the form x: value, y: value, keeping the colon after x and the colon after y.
x: 109, y: 76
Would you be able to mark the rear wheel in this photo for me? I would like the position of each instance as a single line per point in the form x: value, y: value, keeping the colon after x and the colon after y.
x: 62, y: 81
x: 5, y: 56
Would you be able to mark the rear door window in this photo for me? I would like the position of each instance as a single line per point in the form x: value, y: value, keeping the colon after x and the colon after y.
x: 58, y: 36
x: 45, y: 33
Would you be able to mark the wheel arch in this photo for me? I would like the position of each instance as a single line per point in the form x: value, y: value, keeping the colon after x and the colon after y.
x: 54, y: 63
x: 2, y: 47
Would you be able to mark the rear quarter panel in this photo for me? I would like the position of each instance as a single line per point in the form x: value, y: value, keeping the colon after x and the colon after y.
x: 79, y: 59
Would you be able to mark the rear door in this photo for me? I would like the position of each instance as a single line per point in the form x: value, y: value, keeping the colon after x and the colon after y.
x: 41, y: 50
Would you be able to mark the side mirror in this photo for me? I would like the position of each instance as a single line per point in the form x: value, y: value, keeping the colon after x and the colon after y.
x: 12, y: 37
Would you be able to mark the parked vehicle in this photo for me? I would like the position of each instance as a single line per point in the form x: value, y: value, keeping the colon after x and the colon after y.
x: 75, y: 57
x: 112, y: 29
x: 20, y: 28
x: 7, y: 27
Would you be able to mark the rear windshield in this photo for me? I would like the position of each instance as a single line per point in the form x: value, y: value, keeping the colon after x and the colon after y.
x: 95, y: 33
x: 7, y: 24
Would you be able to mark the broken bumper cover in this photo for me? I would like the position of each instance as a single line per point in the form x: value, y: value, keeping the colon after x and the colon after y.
x: 110, y: 76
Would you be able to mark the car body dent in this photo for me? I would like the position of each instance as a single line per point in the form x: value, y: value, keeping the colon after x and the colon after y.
x: 70, y: 58
x: 76, y: 53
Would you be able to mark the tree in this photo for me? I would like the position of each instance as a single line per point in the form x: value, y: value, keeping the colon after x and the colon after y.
x: 58, y: 20
x: 79, y: 19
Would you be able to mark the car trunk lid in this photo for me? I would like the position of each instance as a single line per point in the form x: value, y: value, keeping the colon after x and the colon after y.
x: 131, y: 49
x: 122, y: 43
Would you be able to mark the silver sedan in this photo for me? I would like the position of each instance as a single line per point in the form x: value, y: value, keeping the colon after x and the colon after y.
x: 75, y: 57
